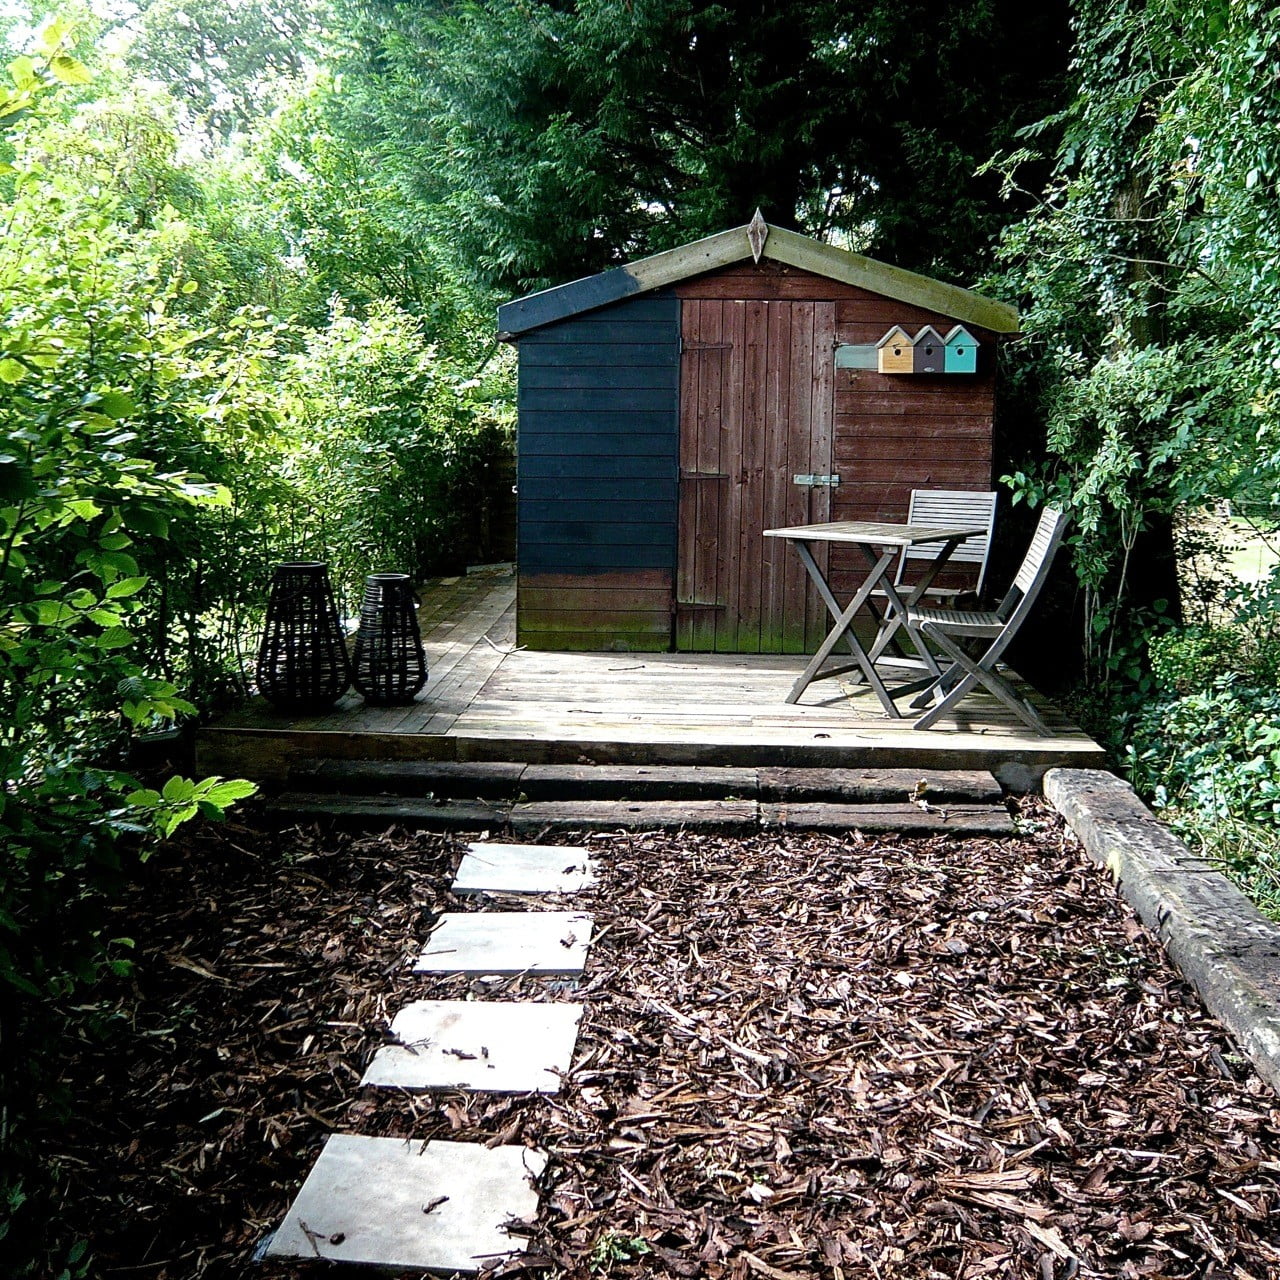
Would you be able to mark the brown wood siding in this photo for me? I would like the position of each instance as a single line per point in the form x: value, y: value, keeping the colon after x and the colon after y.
x: 756, y: 408
x: 628, y: 611
x: 769, y: 282
x: 894, y: 433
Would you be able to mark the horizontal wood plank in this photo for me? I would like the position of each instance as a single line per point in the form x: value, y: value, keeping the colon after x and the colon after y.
x: 591, y: 533
x: 624, y: 352
x: 634, y: 444
x: 599, y: 377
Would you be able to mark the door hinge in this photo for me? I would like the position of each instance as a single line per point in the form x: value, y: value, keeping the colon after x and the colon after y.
x: 815, y: 481
x: 704, y: 346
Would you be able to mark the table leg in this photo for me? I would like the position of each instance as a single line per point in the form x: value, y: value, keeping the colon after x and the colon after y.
x: 897, y: 608
x: 814, y: 572
x: 842, y: 631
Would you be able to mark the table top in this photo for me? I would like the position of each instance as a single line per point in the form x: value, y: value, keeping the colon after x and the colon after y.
x: 875, y: 533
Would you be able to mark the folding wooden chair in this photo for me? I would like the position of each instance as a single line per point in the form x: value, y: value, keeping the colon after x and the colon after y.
x: 951, y: 508
x: 947, y: 631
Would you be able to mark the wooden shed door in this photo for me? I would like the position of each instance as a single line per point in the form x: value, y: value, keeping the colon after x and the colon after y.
x: 756, y: 381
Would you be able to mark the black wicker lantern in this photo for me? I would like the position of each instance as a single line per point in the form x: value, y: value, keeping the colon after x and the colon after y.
x: 390, y: 664
x: 302, y: 661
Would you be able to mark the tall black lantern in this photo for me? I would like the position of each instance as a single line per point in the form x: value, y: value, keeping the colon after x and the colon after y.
x: 302, y: 661
x: 390, y: 664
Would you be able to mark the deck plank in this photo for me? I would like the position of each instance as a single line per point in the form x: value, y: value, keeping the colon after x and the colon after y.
x: 487, y: 699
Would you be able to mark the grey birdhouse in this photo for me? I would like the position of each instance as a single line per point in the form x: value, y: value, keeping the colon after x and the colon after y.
x: 927, y: 351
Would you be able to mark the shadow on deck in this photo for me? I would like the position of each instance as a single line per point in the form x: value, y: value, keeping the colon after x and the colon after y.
x: 487, y: 700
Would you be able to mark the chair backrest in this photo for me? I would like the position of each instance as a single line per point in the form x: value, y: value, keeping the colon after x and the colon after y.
x: 950, y: 509
x: 1031, y: 575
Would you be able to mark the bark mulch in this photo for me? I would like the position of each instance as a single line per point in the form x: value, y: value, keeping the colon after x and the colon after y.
x: 801, y: 1056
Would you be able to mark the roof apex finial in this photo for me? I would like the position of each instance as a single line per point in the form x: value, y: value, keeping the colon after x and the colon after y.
x: 757, y: 234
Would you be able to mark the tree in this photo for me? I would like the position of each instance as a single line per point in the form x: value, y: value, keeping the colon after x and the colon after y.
x: 224, y: 58
x: 1149, y: 281
x: 544, y: 140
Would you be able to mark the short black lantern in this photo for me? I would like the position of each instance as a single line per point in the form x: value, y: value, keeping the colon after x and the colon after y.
x: 390, y: 664
x: 302, y: 661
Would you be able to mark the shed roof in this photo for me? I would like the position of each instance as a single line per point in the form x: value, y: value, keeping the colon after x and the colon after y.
x: 727, y: 247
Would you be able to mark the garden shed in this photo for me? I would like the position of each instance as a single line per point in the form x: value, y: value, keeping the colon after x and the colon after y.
x: 673, y: 409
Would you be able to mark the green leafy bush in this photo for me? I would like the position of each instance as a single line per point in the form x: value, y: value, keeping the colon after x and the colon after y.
x: 1205, y: 747
x: 395, y: 446
x: 97, y: 381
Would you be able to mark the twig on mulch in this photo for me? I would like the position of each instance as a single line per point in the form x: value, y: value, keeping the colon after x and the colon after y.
x: 800, y: 1056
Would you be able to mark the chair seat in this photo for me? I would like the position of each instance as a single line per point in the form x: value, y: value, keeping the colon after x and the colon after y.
x: 930, y: 592
x: 963, y: 622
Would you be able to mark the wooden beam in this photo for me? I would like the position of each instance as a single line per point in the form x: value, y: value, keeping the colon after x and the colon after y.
x: 891, y: 282
x: 727, y: 247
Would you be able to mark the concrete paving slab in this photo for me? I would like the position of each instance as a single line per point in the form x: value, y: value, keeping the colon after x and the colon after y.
x: 507, y: 942
x: 385, y: 1202
x: 524, y: 868
x: 494, y: 1047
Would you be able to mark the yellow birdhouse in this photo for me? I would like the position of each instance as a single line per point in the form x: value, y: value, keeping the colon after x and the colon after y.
x: 894, y: 352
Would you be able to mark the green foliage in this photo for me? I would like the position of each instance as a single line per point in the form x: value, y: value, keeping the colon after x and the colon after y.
x: 224, y: 60
x: 541, y: 141
x: 612, y: 1247
x: 1149, y: 285
x: 394, y: 443
x: 1149, y: 281
x: 102, y: 391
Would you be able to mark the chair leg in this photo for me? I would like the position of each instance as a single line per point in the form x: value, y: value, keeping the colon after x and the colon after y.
x: 976, y: 672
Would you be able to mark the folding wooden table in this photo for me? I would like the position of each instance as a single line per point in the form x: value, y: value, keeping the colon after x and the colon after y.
x: 881, y: 544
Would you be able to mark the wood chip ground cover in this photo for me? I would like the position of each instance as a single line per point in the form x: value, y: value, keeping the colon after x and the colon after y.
x: 801, y: 1056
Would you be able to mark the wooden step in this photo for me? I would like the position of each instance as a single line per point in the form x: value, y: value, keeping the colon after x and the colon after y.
x: 903, y: 818
x: 879, y: 786
x: 723, y: 817
x: 483, y: 779
x: 636, y: 782
x: 367, y: 811
x: 511, y: 779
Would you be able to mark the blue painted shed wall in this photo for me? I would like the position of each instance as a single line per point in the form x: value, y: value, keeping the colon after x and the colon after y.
x: 599, y: 437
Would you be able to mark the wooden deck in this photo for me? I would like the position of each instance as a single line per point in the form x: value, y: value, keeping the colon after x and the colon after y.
x: 488, y: 700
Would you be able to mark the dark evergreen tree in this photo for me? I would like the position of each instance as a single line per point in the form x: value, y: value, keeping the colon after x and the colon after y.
x: 549, y: 138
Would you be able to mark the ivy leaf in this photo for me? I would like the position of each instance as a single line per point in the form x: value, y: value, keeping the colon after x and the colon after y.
x: 22, y: 71
x: 126, y: 587
x: 70, y: 70
x: 114, y: 638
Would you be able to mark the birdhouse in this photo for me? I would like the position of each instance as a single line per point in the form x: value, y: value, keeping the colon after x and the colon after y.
x: 961, y: 351
x: 894, y: 353
x: 927, y: 351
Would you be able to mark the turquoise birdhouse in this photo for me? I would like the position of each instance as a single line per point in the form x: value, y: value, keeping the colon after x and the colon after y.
x: 960, y: 351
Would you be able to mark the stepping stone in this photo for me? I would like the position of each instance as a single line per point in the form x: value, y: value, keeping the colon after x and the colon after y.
x: 388, y: 1202
x: 491, y: 1047
x: 508, y: 942
x: 524, y: 868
